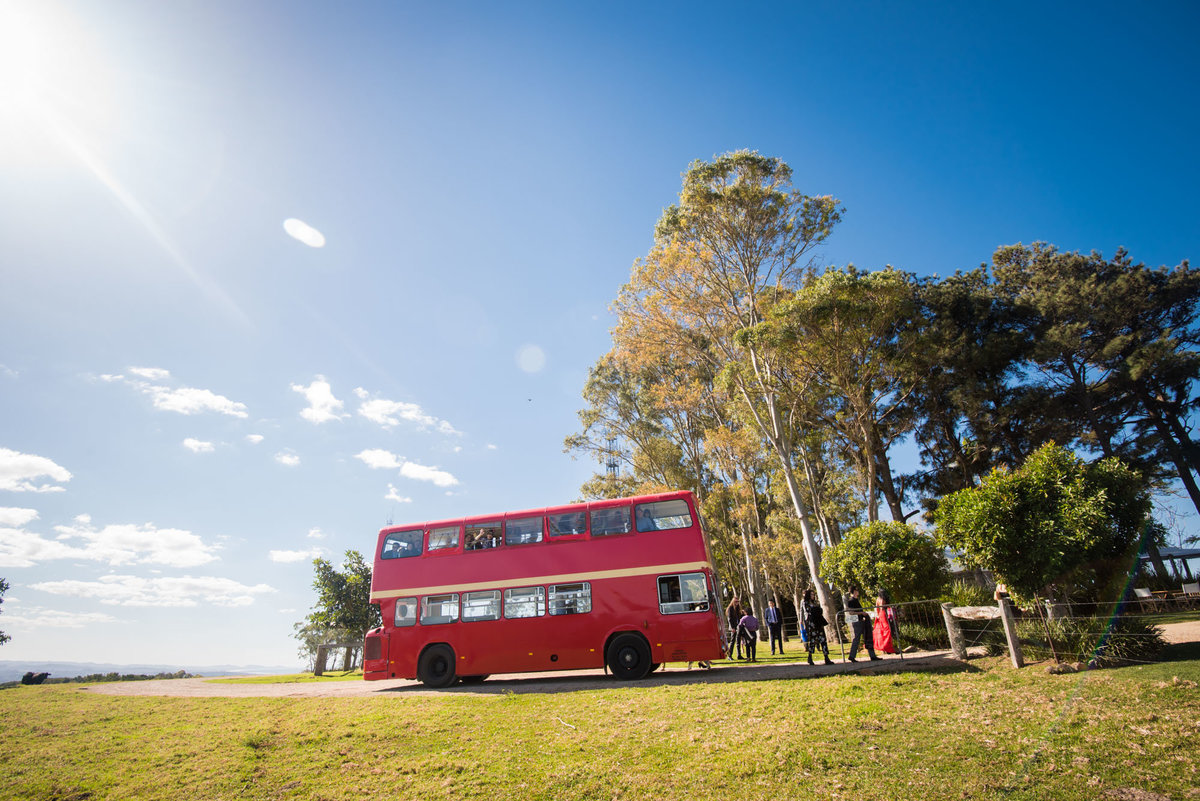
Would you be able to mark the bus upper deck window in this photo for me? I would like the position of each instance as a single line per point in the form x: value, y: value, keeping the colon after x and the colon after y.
x: 614, y: 520
x: 567, y: 523
x: 522, y: 531
x: 401, y: 544
x: 444, y: 537
x: 481, y: 536
x: 663, y: 515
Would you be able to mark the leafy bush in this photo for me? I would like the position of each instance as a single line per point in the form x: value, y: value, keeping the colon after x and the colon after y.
x: 889, y: 555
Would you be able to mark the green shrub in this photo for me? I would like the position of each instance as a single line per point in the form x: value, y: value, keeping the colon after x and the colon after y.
x: 968, y: 593
x: 1082, y: 639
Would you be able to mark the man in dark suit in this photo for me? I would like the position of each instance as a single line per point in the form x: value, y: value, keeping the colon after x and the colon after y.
x: 774, y: 626
x: 860, y: 623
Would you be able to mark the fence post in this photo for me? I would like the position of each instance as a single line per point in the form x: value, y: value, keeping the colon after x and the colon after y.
x: 957, y: 645
x: 1010, y: 633
x: 319, y: 667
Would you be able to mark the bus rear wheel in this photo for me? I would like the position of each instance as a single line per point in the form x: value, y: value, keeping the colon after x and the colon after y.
x: 435, y: 668
x: 629, y: 657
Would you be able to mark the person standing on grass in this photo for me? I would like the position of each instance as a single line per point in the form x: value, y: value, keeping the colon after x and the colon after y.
x: 860, y: 623
x: 814, y: 626
x: 733, y: 614
x: 748, y: 633
x: 774, y: 626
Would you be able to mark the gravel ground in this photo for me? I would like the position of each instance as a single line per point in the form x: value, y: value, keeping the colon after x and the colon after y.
x: 549, y: 682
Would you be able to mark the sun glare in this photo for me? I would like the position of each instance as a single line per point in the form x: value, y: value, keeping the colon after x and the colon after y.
x: 51, y: 76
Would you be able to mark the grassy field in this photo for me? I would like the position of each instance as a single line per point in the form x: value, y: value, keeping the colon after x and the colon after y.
x: 983, y: 731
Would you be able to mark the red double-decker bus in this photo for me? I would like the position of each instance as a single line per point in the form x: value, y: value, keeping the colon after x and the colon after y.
x: 626, y: 583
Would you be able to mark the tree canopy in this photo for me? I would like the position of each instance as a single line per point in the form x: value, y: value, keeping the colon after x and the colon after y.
x: 778, y: 390
x: 1054, y: 520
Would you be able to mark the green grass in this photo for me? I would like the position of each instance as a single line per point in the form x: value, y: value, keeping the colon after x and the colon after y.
x: 980, y: 731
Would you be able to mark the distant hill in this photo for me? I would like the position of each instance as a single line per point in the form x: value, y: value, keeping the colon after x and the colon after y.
x: 14, y: 670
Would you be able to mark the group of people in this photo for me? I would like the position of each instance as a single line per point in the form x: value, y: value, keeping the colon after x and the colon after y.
x: 879, y: 635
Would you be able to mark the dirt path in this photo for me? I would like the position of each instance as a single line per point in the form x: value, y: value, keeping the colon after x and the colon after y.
x: 563, y: 681
x: 572, y: 681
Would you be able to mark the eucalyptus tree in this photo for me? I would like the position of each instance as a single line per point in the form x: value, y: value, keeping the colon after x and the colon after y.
x: 848, y: 333
x: 738, y: 236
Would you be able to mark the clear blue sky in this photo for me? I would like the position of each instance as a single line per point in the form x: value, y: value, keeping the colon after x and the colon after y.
x: 193, y: 403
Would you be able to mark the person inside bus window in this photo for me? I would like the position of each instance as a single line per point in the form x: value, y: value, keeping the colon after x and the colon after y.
x: 646, y: 520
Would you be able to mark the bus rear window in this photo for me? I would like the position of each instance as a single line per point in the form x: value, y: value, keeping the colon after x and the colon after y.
x: 523, y: 530
x: 663, y: 515
x: 400, y: 544
x: 610, y: 521
x: 683, y: 593
x: 568, y: 523
x: 445, y: 537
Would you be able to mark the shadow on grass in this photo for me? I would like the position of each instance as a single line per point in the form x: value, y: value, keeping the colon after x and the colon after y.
x: 721, y: 673
x: 1180, y: 652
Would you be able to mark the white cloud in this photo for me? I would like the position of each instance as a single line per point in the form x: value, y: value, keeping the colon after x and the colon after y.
x: 419, y: 472
x: 492, y: 447
x: 322, y: 405
x: 83, y: 518
x: 160, y: 591
x: 151, y: 373
x: 36, y: 617
x: 388, y: 413
x: 378, y: 459
x: 197, y: 446
x: 296, y: 556
x: 394, y: 495
x: 20, y: 548
x: 17, y: 469
x: 315, y: 533
x: 8, y: 372
x: 13, y: 516
x: 287, y: 459
x: 189, y: 400
x: 254, y: 439
x: 127, y: 543
x: 184, y: 400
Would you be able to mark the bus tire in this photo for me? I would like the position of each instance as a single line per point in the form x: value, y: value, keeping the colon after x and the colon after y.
x: 629, y: 657
x: 435, y: 668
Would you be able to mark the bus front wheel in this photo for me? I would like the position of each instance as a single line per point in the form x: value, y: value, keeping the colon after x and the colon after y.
x: 435, y: 668
x: 629, y: 657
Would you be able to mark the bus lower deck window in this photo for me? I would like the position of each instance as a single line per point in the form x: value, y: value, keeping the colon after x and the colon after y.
x: 570, y: 599
x: 439, y: 609
x: 484, y: 605
x: 525, y: 602
x: 406, y: 612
